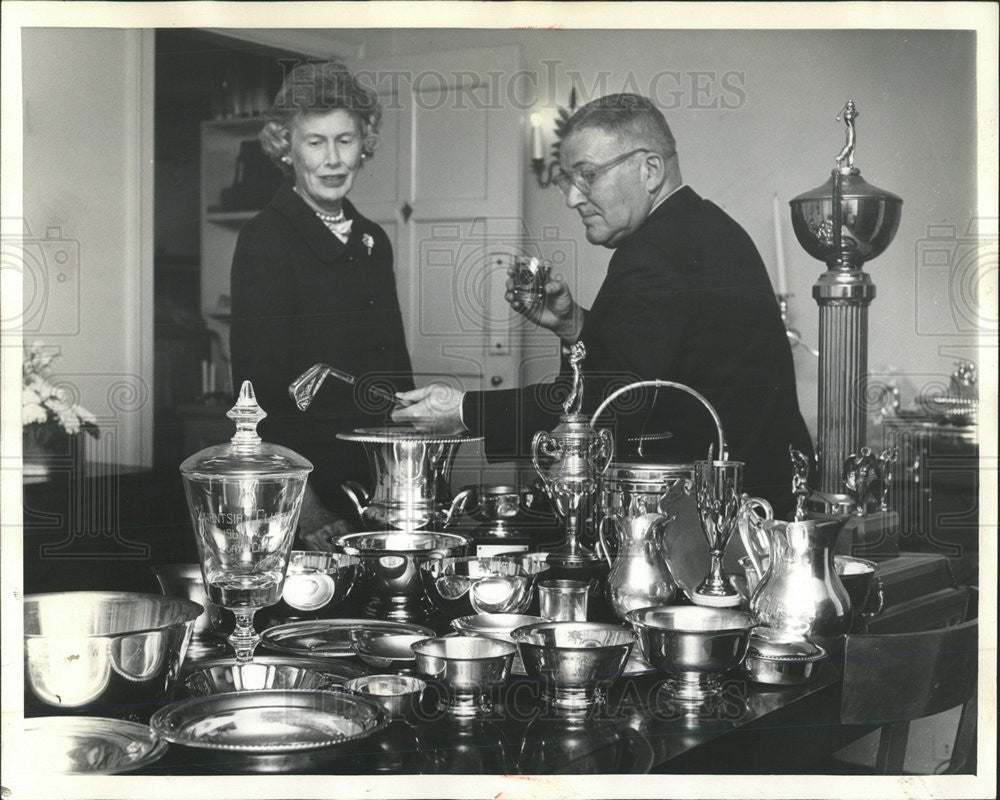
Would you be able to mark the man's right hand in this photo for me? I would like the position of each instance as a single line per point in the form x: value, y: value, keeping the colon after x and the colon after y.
x: 558, y: 311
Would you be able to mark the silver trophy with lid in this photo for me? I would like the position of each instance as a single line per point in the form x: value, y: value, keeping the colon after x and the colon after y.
x: 570, y: 460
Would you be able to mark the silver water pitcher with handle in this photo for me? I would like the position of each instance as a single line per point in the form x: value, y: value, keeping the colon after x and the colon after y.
x: 800, y: 593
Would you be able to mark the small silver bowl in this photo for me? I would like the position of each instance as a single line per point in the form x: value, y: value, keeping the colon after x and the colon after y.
x: 224, y: 675
x: 493, y: 626
x: 388, y: 652
x: 399, y: 695
x: 776, y: 658
x: 576, y: 661
x: 316, y: 583
x: 462, y: 586
x: 695, y: 644
x: 467, y: 666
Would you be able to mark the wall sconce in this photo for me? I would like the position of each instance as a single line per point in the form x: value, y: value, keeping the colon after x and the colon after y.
x: 544, y: 172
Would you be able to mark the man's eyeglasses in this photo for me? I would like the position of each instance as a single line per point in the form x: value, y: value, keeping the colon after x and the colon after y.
x: 584, y: 177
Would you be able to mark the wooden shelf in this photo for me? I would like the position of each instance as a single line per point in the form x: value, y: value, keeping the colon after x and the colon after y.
x: 230, y: 218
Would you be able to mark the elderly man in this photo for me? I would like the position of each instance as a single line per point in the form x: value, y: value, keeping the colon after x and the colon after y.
x: 686, y: 298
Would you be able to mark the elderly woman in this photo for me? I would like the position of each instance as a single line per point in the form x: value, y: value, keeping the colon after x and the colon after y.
x: 312, y: 281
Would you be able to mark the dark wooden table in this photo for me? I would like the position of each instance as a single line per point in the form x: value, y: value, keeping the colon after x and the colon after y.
x: 107, y: 531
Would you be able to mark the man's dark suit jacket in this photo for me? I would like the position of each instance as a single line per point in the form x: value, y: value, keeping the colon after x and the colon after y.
x: 687, y: 299
x: 300, y: 297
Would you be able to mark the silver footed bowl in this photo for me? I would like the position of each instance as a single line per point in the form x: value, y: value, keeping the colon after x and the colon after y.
x: 467, y: 667
x: 462, y: 586
x: 693, y: 645
x: 391, y: 559
x: 224, y: 675
x: 576, y: 661
x: 117, y: 651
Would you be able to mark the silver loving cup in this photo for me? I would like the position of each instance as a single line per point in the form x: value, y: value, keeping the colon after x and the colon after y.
x: 411, y: 474
x: 721, y: 504
x: 636, y: 507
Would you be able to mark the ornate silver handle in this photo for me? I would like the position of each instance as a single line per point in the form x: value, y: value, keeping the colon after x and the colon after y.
x: 358, y: 495
x: 604, y: 543
x: 723, y: 453
x: 755, y: 539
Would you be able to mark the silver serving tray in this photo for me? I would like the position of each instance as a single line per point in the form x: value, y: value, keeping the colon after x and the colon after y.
x: 332, y: 638
x: 224, y: 675
x: 269, y: 721
x: 89, y: 745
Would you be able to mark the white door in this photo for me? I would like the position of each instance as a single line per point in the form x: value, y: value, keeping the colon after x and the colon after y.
x: 446, y: 184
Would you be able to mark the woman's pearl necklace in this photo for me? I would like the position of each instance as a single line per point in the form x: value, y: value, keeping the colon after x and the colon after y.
x: 333, y: 218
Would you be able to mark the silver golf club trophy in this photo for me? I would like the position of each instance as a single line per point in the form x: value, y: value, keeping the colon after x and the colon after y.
x: 570, y: 460
x: 719, y: 493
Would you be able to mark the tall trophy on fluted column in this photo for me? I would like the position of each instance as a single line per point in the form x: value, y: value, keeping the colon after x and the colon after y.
x: 570, y: 460
x: 845, y: 223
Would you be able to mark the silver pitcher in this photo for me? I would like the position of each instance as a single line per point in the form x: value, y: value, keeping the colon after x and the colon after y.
x: 800, y: 592
x: 411, y: 474
x: 636, y: 502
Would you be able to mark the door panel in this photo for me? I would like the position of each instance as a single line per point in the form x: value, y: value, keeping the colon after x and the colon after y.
x: 453, y: 198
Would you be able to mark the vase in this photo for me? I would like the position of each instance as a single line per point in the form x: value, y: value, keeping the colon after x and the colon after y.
x: 44, y: 446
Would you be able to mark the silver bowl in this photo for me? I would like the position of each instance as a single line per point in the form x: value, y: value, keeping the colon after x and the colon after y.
x: 776, y: 658
x: 576, y: 661
x: 391, y: 563
x: 117, y: 651
x: 467, y: 666
x: 224, y: 675
x: 316, y: 583
x: 463, y: 586
x: 399, y: 695
x: 390, y: 652
x: 493, y: 626
x: 695, y: 644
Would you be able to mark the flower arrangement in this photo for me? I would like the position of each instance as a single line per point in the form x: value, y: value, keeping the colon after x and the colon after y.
x: 47, y: 409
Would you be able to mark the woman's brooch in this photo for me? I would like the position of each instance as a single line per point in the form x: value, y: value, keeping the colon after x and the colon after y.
x: 368, y: 242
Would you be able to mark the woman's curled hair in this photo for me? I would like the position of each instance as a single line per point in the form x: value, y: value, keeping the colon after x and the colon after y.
x: 317, y: 89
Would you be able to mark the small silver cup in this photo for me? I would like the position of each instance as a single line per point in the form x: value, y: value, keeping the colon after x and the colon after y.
x: 530, y: 275
x: 563, y: 600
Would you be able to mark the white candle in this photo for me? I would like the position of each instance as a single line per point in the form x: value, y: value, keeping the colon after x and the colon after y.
x: 537, y: 145
x: 779, y: 250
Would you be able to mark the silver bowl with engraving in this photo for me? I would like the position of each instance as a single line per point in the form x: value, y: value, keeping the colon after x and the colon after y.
x: 576, y: 661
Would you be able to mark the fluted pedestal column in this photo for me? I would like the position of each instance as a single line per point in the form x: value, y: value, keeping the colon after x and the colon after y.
x: 843, y: 296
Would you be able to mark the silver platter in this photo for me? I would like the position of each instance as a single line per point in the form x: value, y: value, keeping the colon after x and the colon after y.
x: 270, y: 721
x: 401, y: 432
x: 332, y: 638
x: 89, y: 745
x: 224, y: 675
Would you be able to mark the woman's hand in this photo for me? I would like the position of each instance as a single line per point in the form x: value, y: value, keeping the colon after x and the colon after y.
x: 558, y: 311
x: 435, y: 408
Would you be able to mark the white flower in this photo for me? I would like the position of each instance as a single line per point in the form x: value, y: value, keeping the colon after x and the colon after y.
x: 44, y: 401
x: 368, y: 242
